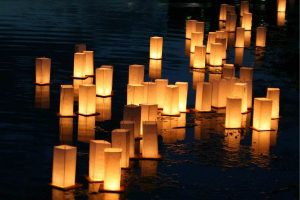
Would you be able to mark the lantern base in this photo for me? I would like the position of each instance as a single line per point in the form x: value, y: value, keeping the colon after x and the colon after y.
x: 155, y: 58
x: 102, y: 190
x: 217, y: 108
x: 198, y: 68
x: 176, y: 115
x: 77, y: 185
x: 251, y: 127
x: 88, y: 115
x: 197, y: 111
x: 87, y: 76
x: 92, y: 181
x: 105, y: 96
x: 248, y: 111
x: 41, y: 84
x: 140, y: 157
x: 66, y: 116
x: 79, y: 78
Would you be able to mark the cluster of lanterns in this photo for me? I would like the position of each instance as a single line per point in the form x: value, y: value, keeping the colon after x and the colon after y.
x: 148, y: 100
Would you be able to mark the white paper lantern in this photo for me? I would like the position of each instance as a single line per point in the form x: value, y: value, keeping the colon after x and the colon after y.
x: 136, y: 74
x: 135, y: 94
x: 223, y: 10
x: 79, y: 65
x: 148, y: 113
x: 216, y: 54
x: 199, y: 57
x: 150, y: 143
x: 183, y: 93
x: 87, y: 99
x: 211, y: 39
x: 230, y: 22
x: 240, y: 37
x: 262, y: 114
x: 120, y: 138
x: 274, y: 95
x: 247, y: 21
x: 133, y: 113
x: 42, y: 71
x: 203, y: 97
x: 240, y: 91
x: 171, y: 100
x: 129, y: 125
x: 190, y: 27
x: 112, y: 169
x: 219, y: 94
x: 161, y: 86
x: 200, y: 27
x: 89, y: 63
x: 104, y: 80
x: 156, y: 47
x: 281, y: 5
x: 198, y: 76
x: 244, y: 7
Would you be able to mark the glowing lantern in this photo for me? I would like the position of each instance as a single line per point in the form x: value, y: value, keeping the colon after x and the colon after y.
x: 222, y: 41
x: 96, y: 159
x: 247, y: 21
x: 79, y: 48
x: 161, y: 86
x: 103, y: 106
x: 261, y: 34
x: 240, y: 91
x: 156, y: 47
x: 281, y: 5
x: 233, y: 117
x: 203, y: 97
x: 261, y: 142
x: 149, y: 92
x: 120, y: 138
x: 64, y: 166
x: 183, y: 92
x: 155, y: 68
x: 230, y: 82
x: 223, y: 10
x: 87, y: 99
x: 280, y: 18
x: 230, y: 9
x: 135, y: 94
x: 150, y: 144
x: 42, y: 96
x: 198, y: 76
x: 240, y: 37
x: 192, y: 56
x: 230, y: 22
x: 231, y: 39
x: 244, y: 7
x: 79, y: 65
x: 196, y: 40
x: 200, y: 27
x: 171, y: 100
x: 273, y: 94
x: 190, y: 27
x: 66, y: 130
x: 238, y: 56
x: 214, y: 77
x: 187, y: 47
x: 86, y: 128
x: 136, y: 74
x: 228, y: 71
x: 219, y: 93
x: 112, y: 169
x: 42, y: 71
x: 104, y: 81
x: 66, y: 107
x: 246, y: 73
x: 199, y: 57
x: 148, y: 113
x: 216, y: 54
x: 133, y: 113
x: 129, y: 125
x: 262, y: 114
x: 247, y: 38
x: 211, y: 39
x: 89, y: 63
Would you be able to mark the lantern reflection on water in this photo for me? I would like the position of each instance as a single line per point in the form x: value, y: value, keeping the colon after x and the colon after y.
x: 86, y: 128
x: 66, y: 103
x: 42, y: 96
x: 66, y: 130
x: 240, y: 37
x: 148, y: 167
x: 247, y: 38
x: 203, y: 97
x: 200, y: 27
x: 262, y: 113
x: 155, y: 68
x: 216, y: 54
x: 89, y: 63
x: 42, y: 71
x: 280, y: 18
x: 233, y: 117
x: 244, y: 7
x: 274, y: 95
x: 261, y: 35
x: 246, y: 76
x: 104, y: 80
x: 233, y: 139
x: 120, y: 138
x: 223, y: 10
x: 247, y: 21
x: 150, y: 143
x: 238, y: 56
x: 156, y: 47
x: 231, y: 22
x: 136, y: 74
x: 261, y: 142
x: 135, y: 94
x: 183, y: 92
x: 133, y: 113
x: 103, y: 106
x: 129, y: 125
x: 58, y: 194
x: 214, y: 77
x: 161, y: 86
x: 112, y: 169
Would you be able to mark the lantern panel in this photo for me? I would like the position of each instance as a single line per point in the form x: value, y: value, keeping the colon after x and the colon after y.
x: 156, y: 47
x: 86, y: 128
x: 233, y: 117
x: 230, y: 22
x: 87, y: 99
x: 120, y: 139
x: 203, y: 96
x: 246, y: 73
x: 183, y: 93
x: 190, y: 27
x: 155, y: 68
x: 281, y: 5
x: 228, y: 71
x: 42, y: 70
x: 129, y: 125
x: 198, y: 76
x: 89, y: 63
x: 261, y: 35
x: 66, y: 106
x: 171, y: 100
x: 199, y: 57
x: 262, y: 113
x: 223, y: 10
x: 79, y: 65
x: 104, y: 81
x: 274, y: 95
x: 219, y: 93
x: 133, y: 113
x: 150, y: 144
x: 200, y: 27
x: 112, y: 169
x: 240, y: 91
x: 148, y: 113
x: 135, y: 94
x: 247, y: 21
x: 216, y: 54
x: 211, y: 39
x: 136, y: 74
x: 261, y: 142
x: 244, y: 7
x: 161, y: 86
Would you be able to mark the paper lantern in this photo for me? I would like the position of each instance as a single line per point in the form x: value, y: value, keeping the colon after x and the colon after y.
x: 244, y: 7
x: 199, y: 57
x: 64, y: 166
x: 228, y: 71
x: 240, y: 91
x: 192, y: 56
x: 247, y: 36
x: 200, y: 27
x: 238, y: 56
x: 190, y: 27
x: 155, y: 68
x: 150, y: 143
x: 223, y: 10
x: 230, y: 22
x: 231, y: 9
x: 247, y: 21
x: 214, y: 77
x: 211, y: 39
x: 87, y: 99
x: 198, y: 76
x: 133, y: 113
x: 104, y: 81
x: 66, y: 104
x: 261, y: 34
x: 149, y: 92
x: 42, y: 71
x: 260, y: 142
x: 231, y: 39
x: 280, y: 18
x: 79, y: 65
x: 273, y: 94
x: 196, y: 40
x: 233, y: 117
x: 89, y: 63
x: 129, y: 125
x: 79, y: 48
x: 229, y: 85
x: 246, y: 74
x: 219, y: 94
x: 223, y: 41
x: 86, y: 128
x: 262, y: 114
x: 156, y: 47
x: 120, y: 138
x: 281, y: 5
x: 203, y: 97
x: 136, y: 74
x: 148, y: 113
x: 187, y: 47
x: 103, y: 106
x: 112, y: 169
x: 183, y: 93
x: 274, y: 132
x: 216, y: 54
x: 148, y: 168
x: 135, y: 94
x: 96, y: 159
x: 171, y: 100
x: 66, y: 130
x: 42, y: 96
x: 240, y: 37
x: 161, y: 86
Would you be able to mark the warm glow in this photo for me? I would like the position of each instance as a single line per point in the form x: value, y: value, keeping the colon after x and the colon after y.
x: 223, y: 10
x: 261, y: 142
x: 219, y: 93
x: 161, y: 86
x: 133, y: 113
x: 233, y: 139
x: 247, y: 21
x: 247, y: 38
x: 238, y: 56
x: 216, y: 54
x: 200, y: 27
x: 42, y: 70
x: 155, y: 68
x: 196, y: 40
x: 187, y: 47
x: 198, y: 76
x: 120, y: 138
x: 183, y: 92
x: 89, y: 63
x: 87, y: 99
x: 228, y: 71
x: 230, y: 22
x: 148, y: 113
x: 103, y: 106
x: 281, y: 5
x: 42, y: 96
x: 135, y: 94
x: 148, y: 167
x: 262, y: 113
x: 261, y: 35
x: 190, y: 27
x: 203, y: 96
x: 66, y: 130
x: 112, y: 169
x: 280, y: 18
x: 171, y: 100
x: 199, y: 57
x: 211, y: 39
x: 240, y: 37
x: 156, y: 47
x: 136, y: 74
x: 233, y: 117
x: 86, y: 128
x: 150, y: 143
x: 244, y: 7
x: 274, y: 95
x: 129, y: 125
x: 79, y: 65
x: 104, y: 80
x: 240, y: 91
x: 223, y: 41
x: 149, y: 92
x: 246, y: 73
x: 66, y: 104
x: 214, y: 77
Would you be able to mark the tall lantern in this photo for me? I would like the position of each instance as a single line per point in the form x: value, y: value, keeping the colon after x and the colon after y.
x: 135, y: 94
x: 120, y: 138
x: 133, y: 113
x: 240, y: 91
x: 150, y: 143
x: 86, y: 128
x: 103, y: 106
x: 273, y: 94
x: 156, y: 47
x: 219, y: 93
x: 228, y: 71
x: 112, y: 169
x: 171, y: 100
x: 244, y: 7
x: 199, y: 57
x: 79, y: 48
x: 183, y: 93
x: 246, y: 75
x: 247, y: 38
x: 211, y: 39
x: 223, y: 10
x: 262, y: 114
x: 96, y: 159
x: 148, y: 113
x: 281, y: 5
x: 190, y: 27
x: 223, y: 41
x: 149, y: 92
x: 240, y: 37
x: 231, y: 22
x: 104, y: 81
x: 196, y: 40
x: 161, y: 86
x: 129, y: 125
x: 79, y: 65
x: 247, y: 21
x: 233, y: 117
x: 42, y: 71
x: 87, y: 99
x: 203, y: 97
x: 216, y: 54
x: 66, y: 104
x: 261, y: 34
x: 64, y: 166
x: 155, y: 68
x: 280, y: 18
x: 89, y: 63
x: 136, y: 74
x: 200, y: 27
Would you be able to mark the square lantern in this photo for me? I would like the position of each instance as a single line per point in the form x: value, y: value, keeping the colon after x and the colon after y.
x: 79, y: 65
x: 274, y: 95
x: 129, y: 125
x: 200, y: 27
x: 161, y: 86
x: 89, y: 63
x: 86, y: 128
x: 230, y: 22
x: 120, y: 138
x: 247, y: 21
x: 104, y: 81
x: 96, y: 159
x: 87, y: 99
x: 183, y: 93
x: 112, y: 169
x: 66, y: 130
x: 149, y: 92
x: 211, y: 39
x: 198, y: 76
x: 240, y: 37
x: 190, y: 27
x: 135, y: 94
x: 233, y: 117
x: 203, y: 97
x: 223, y: 41
x: 199, y: 57
x: 66, y: 103
x: 230, y: 82
x: 216, y: 54
x: 261, y: 35
x: 239, y: 56
x: 42, y: 71
x: 281, y: 5
x: 64, y: 166
x: 196, y: 40
x: 150, y: 143
x: 228, y: 71
x: 156, y: 47
x: 219, y: 93
x: 42, y: 96
x: 223, y: 11
x: 171, y: 100
x: 136, y: 74
x: 240, y: 91
x: 148, y: 113
x: 155, y: 68
x: 244, y: 7
x: 246, y: 75
x: 133, y: 113
x: 79, y: 48
x: 262, y: 114
x: 247, y: 40
x: 103, y: 106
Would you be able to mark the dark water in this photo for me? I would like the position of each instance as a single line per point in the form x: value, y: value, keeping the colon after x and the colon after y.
x: 200, y: 162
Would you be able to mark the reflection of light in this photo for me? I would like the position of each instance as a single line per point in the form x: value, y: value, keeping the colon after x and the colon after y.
x: 62, y: 195
x: 187, y: 47
x: 233, y: 117
x: 136, y: 74
x: 201, y: 129
x: 169, y: 133
x: 261, y: 142
x: 261, y: 35
x: 273, y: 135
x: 79, y: 65
x: 196, y: 40
x: 93, y: 188
x: 238, y: 56
x: 244, y: 7
x: 133, y: 113
x: 246, y: 119
x: 112, y: 171
x: 233, y: 139
x: 103, y: 106
x: 129, y: 125
x: 223, y: 10
x: 281, y: 5
x: 228, y: 71
x: 181, y: 127
x: 210, y: 39
x: 156, y: 47
x: 42, y: 96
x: 66, y: 130
x: 240, y: 90
x: 198, y: 76
x: 148, y: 167
x: 273, y: 94
x: 214, y: 77
x: 280, y: 18
x: 240, y: 37
x: 231, y: 39
x: 216, y: 54
x: 155, y: 68
x: 86, y: 128
x: 190, y: 27
x: 219, y: 93
x: 230, y: 21
x: 192, y: 56
x: 247, y: 21
x: 247, y: 38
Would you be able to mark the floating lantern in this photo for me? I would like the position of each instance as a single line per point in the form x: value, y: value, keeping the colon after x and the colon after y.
x: 200, y: 27
x: 64, y: 166
x: 280, y: 18
x: 247, y: 37
x: 89, y: 63
x: 79, y: 65
x: 192, y: 56
x: 228, y: 71
x: 199, y: 57
x: 66, y: 104
x: 96, y: 159
x: 104, y: 81
x: 149, y: 92
x: 196, y: 40
x: 233, y: 117
x: 216, y: 54
x: 230, y: 22
x: 219, y: 94
x: 155, y: 68
x: 103, y: 106
x: 223, y: 10
x: 79, y: 48
x: 214, y: 77
x: 171, y: 100
x: 150, y: 144
x: 120, y: 138
x: 262, y: 114
x: 148, y: 113
x: 87, y: 99
x: 112, y: 169
x: 240, y: 91
x: 190, y: 27
x: 135, y: 94
x: 156, y: 47
x: 273, y: 94
x: 133, y: 113
x: 203, y: 97
x: 42, y: 71
x: 42, y: 96
x: 238, y: 56
x: 161, y: 86
x: 281, y: 5
x: 244, y: 7
x: 129, y: 125
x: 231, y: 39
x: 261, y: 142
x: 247, y: 21
x: 198, y: 76
x: 261, y: 34
x: 211, y: 39
x: 66, y: 130
x: 136, y: 74
x: 240, y: 37
x: 183, y: 92
x: 86, y: 128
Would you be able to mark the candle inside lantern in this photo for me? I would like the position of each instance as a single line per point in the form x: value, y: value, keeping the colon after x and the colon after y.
x: 136, y: 74
x: 228, y: 71
x: 149, y: 92
x: 196, y: 40
x: 129, y: 125
x: 133, y: 113
x: 112, y: 169
x: 104, y: 80
x: 247, y: 21
x: 135, y: 94
x: 183, y: 92
x: 199, y: 57
x: 203, y: 97
x: 240, y: 37
x: 161, y: 86
x: 223, y: 10
x: 150, y: 144
x: 233, y: 117
x: 42, y: 70
x: 262, y: 114
x: 240, y: 91
x: 261, y: 34
x: 87, y: 99
x: 66, y: 106
x: 216, y: 54
x: 79, y: 65
x: 244, y: 7
x: 190, y: 27
x: 89, y: 63
x: 156, y: 47
x: 155, y: 68
x: 103, y: 106
x: 273, y: 94
x: 120, y: 138
x: 171, y: 100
